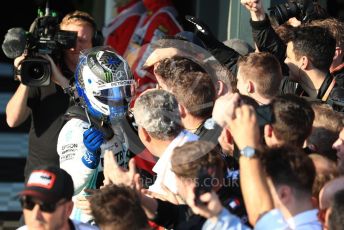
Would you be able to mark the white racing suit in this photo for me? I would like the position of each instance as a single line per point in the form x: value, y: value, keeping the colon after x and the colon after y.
x: 75, y: 160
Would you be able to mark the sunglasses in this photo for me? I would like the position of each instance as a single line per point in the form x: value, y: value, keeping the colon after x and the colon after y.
x: 29, y: 203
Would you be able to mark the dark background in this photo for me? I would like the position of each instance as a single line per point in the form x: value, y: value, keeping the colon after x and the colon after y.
x: 22, y: 13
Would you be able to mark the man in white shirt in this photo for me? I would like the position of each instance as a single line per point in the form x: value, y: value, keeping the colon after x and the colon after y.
x: 291, y: 175
x: 159, y: 126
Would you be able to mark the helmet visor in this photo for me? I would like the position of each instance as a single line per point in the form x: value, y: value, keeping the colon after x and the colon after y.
x: 116, y: 97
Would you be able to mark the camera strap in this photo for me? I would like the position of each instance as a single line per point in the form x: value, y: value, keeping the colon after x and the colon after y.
x: 328, y: 91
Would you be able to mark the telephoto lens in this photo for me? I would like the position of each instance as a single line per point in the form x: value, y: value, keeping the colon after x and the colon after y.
x: 282, y: 12
x: 303, y: 10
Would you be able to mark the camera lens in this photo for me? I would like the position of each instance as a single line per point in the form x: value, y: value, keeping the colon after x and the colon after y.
x: 282, y: 12
x: 36, y: 71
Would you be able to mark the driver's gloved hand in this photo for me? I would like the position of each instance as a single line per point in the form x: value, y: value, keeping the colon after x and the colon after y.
x: 93, y: 139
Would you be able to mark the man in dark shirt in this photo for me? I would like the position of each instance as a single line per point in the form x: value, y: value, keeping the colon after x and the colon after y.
x: 46, y: 105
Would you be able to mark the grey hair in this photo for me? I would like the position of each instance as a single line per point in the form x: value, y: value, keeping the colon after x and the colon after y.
x: 157, y: 112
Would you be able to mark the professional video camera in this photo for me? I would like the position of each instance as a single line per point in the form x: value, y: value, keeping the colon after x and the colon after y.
x: 303, y: 10
x: 44, y: 37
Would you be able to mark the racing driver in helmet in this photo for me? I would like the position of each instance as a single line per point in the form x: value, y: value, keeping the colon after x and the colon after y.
x: 104, y: 86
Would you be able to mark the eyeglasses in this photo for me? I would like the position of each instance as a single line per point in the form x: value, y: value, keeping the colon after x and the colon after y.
x: 29, y: 203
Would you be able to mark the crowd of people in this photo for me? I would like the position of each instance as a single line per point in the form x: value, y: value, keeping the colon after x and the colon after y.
x: 153, y: 127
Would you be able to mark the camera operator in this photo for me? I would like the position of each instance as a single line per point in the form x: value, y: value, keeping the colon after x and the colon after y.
x: 308, y: 55
x: 46, y: 105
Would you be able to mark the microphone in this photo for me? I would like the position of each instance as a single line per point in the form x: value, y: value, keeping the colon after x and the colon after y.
x: 14, y: 42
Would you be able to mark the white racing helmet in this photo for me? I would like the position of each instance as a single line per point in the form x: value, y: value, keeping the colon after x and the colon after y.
x: 104, y: 83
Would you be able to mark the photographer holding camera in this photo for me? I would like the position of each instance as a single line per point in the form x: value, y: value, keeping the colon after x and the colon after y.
x: 46, y: 103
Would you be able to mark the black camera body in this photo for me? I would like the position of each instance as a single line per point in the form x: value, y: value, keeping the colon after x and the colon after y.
x: 303, y: 10
x: 44, y: 37
x: 203, y: 185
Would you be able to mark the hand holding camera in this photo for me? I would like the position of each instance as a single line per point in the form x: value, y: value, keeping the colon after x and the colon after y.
x: 17, y: 67
x: 206, y: 202
x: 56, y: 76
x: 242, y: 120
x: 302, y: 10
x: 212, y: 208
x: 224, y: 108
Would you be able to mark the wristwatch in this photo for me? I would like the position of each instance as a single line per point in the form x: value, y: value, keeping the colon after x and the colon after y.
x: 248, y: 151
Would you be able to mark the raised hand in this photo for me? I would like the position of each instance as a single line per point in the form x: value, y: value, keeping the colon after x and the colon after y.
x: 256, y: 9
x: 115, y: 174
x: 224, y: 108
x: 244, y: 127
x: 169, y: 195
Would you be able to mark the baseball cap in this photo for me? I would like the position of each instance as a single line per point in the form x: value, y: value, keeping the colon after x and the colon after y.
x: 49, y: 184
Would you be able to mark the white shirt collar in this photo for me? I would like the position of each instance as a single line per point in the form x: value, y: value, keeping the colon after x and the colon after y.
x: 163, y: 166
x: 183, y: 137
x: 306, y: 220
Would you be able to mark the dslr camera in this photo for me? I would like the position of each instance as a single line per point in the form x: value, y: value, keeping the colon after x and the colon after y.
x: 44, y: 37
x: 303, y: 10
